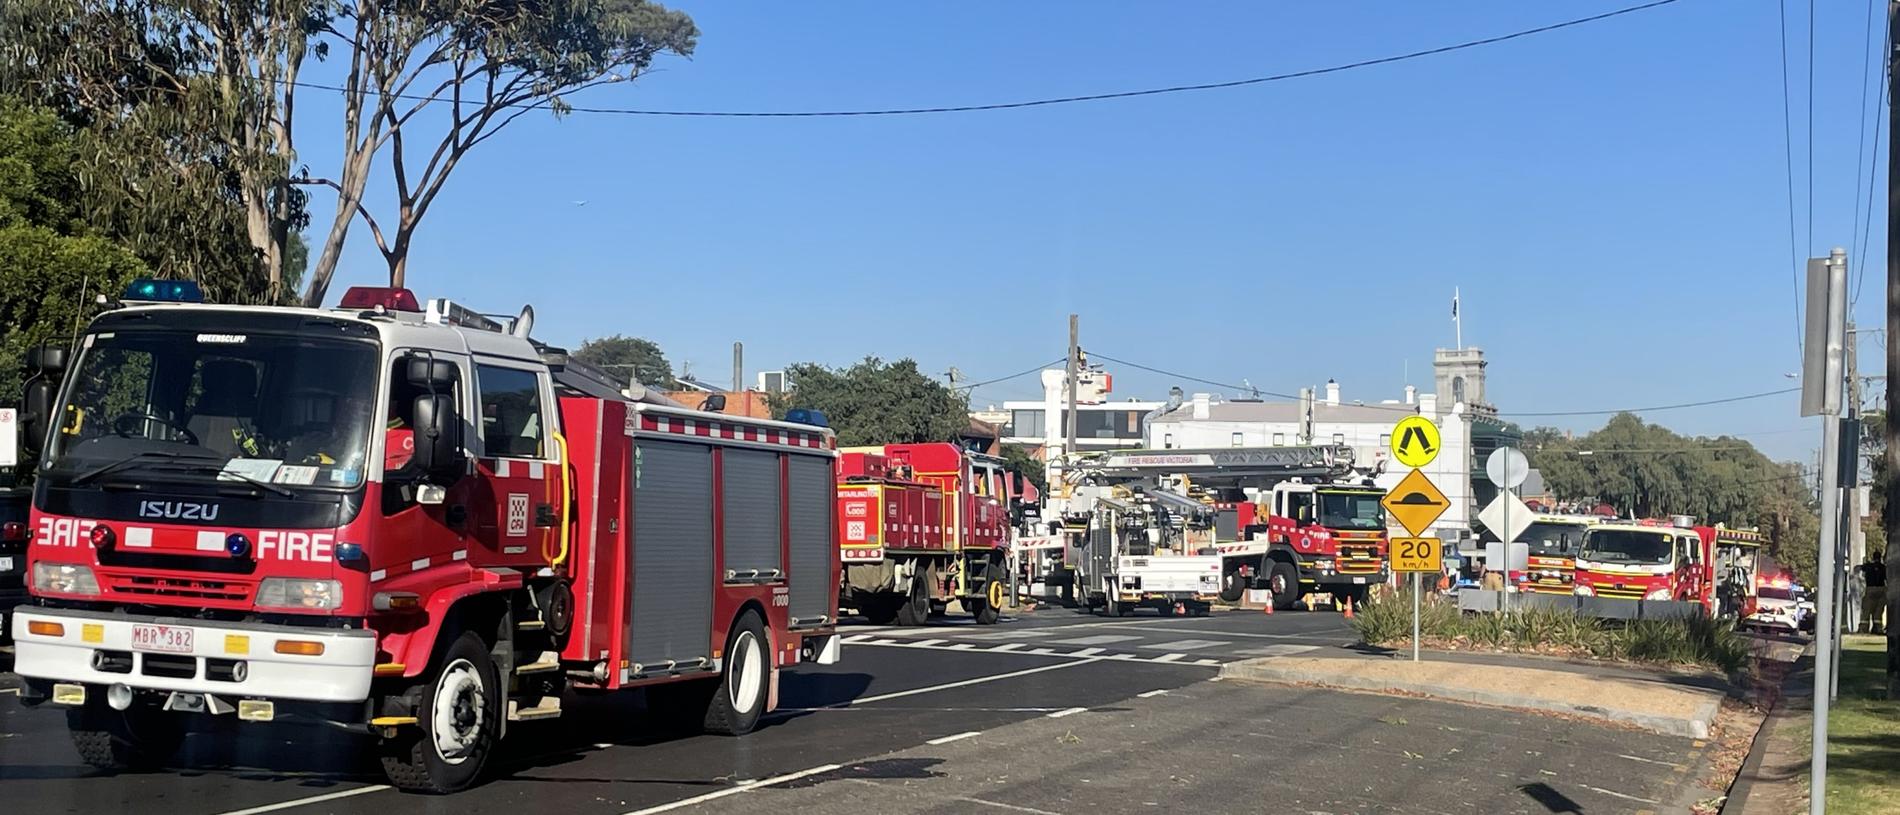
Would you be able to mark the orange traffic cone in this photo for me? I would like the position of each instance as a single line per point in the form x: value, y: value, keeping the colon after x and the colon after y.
x: 1349, y: 608
x: 1268, y: 609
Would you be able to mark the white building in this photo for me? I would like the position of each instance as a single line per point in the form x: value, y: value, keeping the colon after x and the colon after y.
x: 1100, y: 423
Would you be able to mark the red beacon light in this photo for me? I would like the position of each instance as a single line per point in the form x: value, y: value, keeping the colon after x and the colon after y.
x: 389, y: 298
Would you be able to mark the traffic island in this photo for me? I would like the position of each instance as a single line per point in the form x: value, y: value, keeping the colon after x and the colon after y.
x: 1662, y: 703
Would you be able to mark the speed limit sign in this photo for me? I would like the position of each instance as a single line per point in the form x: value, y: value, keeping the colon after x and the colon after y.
x: 1417, y: 555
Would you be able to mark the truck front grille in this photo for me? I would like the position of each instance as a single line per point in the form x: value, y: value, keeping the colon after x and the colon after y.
x: 1358, y: 561
x: 180, y: 588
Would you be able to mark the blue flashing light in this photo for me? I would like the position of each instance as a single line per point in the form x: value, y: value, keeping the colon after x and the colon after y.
x: 816, y: 418
x: 351, y: 554
x: 237, y: 545
x: 149, y: 290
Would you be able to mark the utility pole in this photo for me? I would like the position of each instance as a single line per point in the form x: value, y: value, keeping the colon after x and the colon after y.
x: 1850, y: 492
x: 738, y: 367
x: 1075, y: 370
x: 1890, y: 515
x: 1828, y: 282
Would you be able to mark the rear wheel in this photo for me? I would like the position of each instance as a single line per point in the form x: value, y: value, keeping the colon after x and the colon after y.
x: 456, y: 723
x: 744, y: 682
x: 137, y: 738
x: 1284, y: 582
x: 988, y: 609
x: 1164, y: 608
x: 915, y: 609
x: 1234, y: 586
x: 880, y: 609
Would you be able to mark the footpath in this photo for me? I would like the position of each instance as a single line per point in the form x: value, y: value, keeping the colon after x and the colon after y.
x: 1863, y: 742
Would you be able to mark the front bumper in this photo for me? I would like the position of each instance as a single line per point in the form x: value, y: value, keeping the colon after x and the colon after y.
x: 341, y: 674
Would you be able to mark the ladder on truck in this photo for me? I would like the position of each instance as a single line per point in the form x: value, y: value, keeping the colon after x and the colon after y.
x: 1220, y: 466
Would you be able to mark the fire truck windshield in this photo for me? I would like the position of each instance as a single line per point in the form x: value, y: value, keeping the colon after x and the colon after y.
x: 1351, y: 510
x: 274, y: 411
x: 1547, y: 538
x: 1626, y: 546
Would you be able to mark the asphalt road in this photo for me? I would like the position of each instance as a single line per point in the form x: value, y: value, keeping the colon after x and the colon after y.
x: 897, y: 692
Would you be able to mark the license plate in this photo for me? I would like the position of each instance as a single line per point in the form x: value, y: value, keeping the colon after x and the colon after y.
x: 1359, y: 581
x: 162, y: 638
x: 6, y: 563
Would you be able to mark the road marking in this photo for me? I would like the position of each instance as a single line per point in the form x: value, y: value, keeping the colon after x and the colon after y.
x: 961, y: 646
x: 1207, y: 662
x: 750, y: 785
x: 14, y: 691
x: 1615, y: 794
x: 1151, y: 694
x: 1650, y: 761
x: 314, y: 799
x: 857, y: 638
x: 1067, y: 712
x: 1169, y: 657
x: 1185, y: 645
x: 1016, y: 648
x: 999, y: 805
x: 928, y: 643
x: 1043, y: 651
x: 1008, y: 647
x: 1006, y: 635
x: 1282, y: 650
x: 954, y: 737
x: 1099, y: 639
x: 1087, y: 652
x: 967, y: 682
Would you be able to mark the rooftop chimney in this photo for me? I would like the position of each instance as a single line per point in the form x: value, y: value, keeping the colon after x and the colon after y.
x: 1411, y: 394
x: 1201, y: 402
x: 1332, y: 392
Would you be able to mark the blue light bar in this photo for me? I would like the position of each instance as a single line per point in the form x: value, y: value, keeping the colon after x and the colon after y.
x: 807, y: 416
x: 148, y: 290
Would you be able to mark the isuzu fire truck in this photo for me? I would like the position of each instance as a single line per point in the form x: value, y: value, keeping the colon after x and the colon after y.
x: 1650, y: 560
x: 920, y: 525
x: 418, y: 522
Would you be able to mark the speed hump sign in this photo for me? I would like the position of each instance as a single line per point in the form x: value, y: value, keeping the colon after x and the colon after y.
x: 1417, y: 555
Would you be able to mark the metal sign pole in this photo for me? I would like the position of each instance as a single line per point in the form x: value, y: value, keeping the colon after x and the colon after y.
x: 1415, y: 616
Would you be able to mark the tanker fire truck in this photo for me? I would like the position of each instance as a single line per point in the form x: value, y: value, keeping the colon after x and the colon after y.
x: 1713, y: 567
x: 922, y: 524
x: 416, y: 522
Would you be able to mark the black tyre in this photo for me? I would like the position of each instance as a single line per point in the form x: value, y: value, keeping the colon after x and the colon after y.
x: 137, y: 738
x: 915, y: 609
x: 988, y: 609
x: 1284, y: 581
x: 1199, y: 610
x: 456, y: 723
x: 745, y: 680
x: 1164, y: 608
x: 1234, y: 586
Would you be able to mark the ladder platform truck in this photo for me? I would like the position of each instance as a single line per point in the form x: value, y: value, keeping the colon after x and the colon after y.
x: 414, y: 521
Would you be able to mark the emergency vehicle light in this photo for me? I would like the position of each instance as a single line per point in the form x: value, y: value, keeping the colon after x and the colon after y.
x: 389, y: 297
x: 807, y: 416
x: 150, y: 290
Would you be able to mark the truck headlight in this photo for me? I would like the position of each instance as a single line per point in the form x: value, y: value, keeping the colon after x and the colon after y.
x: 1657, y: 594
x: 64, y: 578
x: 1583, y: 590
x: 296, y: 594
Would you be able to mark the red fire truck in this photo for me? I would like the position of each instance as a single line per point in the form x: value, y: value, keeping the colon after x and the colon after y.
x: 921, y: 524
x: 1665, y: 561
x: 418, y: 522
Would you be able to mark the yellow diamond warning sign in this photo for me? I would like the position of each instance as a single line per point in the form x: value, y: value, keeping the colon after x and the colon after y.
x: 1415, y: 503
x: 1415, y: 441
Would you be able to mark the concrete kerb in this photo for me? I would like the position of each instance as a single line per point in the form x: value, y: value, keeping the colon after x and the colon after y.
x: 1695, y: 726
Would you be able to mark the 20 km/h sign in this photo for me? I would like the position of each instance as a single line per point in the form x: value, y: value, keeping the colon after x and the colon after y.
x: 1415, y: 503
x: 1415, y: 441
x: 1417, y: 555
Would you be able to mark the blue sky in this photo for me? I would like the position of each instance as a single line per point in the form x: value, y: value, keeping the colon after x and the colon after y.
x: 1610, y: 198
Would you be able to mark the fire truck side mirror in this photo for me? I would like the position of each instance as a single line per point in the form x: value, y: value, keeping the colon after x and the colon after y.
x: 36, y: 410
x: 429, y: 372
x: 47, y: 359
x: 438, y: 434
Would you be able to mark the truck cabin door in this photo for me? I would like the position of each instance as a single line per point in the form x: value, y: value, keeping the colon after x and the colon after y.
x: 520, y: 520
x: 413, y: 530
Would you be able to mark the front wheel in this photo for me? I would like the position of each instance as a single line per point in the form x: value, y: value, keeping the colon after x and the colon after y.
x: 138, y: 738
x: 1284, y: 583
x: 988, y: 609
x: 914, y: 610
x: 456, y: 726
x: 744, y: 680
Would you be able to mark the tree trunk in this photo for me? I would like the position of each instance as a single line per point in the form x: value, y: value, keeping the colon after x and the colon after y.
x: 355, y: 177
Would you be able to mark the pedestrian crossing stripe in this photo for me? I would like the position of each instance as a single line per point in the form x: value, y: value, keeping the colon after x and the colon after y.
x: 1092, y: 653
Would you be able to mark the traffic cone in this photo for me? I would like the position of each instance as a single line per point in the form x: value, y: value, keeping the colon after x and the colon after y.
x: 1180, y: 608
x: 1349, y: 608
x: 1268, y: 610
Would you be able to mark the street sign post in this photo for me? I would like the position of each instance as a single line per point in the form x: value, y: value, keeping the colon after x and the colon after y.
x: 1507, y: 468
x: 1415, y: 503
x: 1507, y: 516
x: 1415, y: 441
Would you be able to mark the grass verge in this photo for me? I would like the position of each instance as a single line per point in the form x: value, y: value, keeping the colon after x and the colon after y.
x: 1863, y: 734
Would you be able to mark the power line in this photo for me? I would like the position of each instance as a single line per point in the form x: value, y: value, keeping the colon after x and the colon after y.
x: 1025, y: 372
x: 1860, y: 151
x: 1787, y: 155
x: 1311, y: 72
x: 1413, y: 409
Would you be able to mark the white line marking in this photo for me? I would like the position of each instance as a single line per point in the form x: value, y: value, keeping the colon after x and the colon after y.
x: 1648, y: 760
x: 1280, y: 650
x: 1006, y: 635
x: 858, y: 638
x: 1043, y: 651
x: 954, y: 737
x: 1068, y: 712
x: 1008, y: 646
x: 750, y: 785
x: 962, y: 646
x: 1087, y: 652
x: 1151, y: 694
x: 1207, y: 662
x: 967, y: 682
x: 1615, y: 794
x: 1168, y: 657
x: 314, y: 799
x: 999, y: 805
x: 14, y: 691
x: 927, y: 643
x: 1099, y: 639
x: 1186, y: 645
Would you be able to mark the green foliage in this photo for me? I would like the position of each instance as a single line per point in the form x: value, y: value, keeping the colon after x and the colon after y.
x: 876, y: 402
x: 47, y: 283
x: 1018, y: 459
x: 1387, y: 620
x: 633, y: 358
